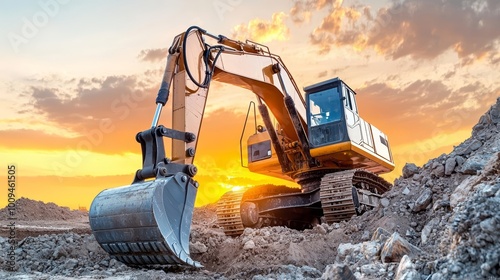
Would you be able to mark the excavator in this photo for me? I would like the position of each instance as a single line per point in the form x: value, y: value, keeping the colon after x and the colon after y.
x: 316, y: 139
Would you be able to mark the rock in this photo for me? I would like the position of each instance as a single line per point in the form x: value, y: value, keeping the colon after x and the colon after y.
x: 345, y: 249
x: 423, y: 201
x: 441, y: 204
x: 249, y: 245
x: 338, y: 272
x: 70, y: 263
x: 405, y: 191
x: 438, y: 169
x: 409, y: 170
x: 417, y: 177
x: 370, y: 249
x: 380, y: 235
x: 490, y: 225
x: 59, y: 252
x: 92, y: 246
x: 385, y: 202
x: 464, y: 150
x: 198, y: 247
x: 104, y: 263
x: 395, y: 248
x: 370, y: 269
x: 460, y: 160
x: 320, y: 229
x: 366, y: 235
x: 437, y: 276
x: 449, y: 166
x: 426, y: 231
x: 462, y: 191
x: 473, y: 164
x: 490, y: 190
x: 406, y: 270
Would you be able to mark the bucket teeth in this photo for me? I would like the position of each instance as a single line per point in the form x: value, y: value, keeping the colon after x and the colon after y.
x: 146, y: 224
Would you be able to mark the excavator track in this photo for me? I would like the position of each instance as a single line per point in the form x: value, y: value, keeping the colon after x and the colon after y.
x: 229, y: 208
x: 228, y: 213
x: 340, y: 191
x: 341, y: 195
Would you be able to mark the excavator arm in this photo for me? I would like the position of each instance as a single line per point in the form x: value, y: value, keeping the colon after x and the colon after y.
x: 193, y: 63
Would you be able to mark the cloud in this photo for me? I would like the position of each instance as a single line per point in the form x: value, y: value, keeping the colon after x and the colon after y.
x: 103, y: 113
x: 153, y: 55
x: 420, y: 29
x: 341, y: 26
x: 94, y: 100
x: 428, y: 107
x: 264, y: 31
x: 425, y: 29
x: 302, y: 10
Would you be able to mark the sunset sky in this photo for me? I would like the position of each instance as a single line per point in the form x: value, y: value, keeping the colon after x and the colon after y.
x: 78, y: 80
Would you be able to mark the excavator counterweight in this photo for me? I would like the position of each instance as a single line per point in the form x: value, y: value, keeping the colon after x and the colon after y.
x: 316, y: 139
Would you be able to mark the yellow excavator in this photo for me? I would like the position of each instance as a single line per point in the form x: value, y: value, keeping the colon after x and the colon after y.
x: 317, y: 140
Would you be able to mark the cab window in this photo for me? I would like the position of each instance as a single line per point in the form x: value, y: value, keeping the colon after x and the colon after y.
x: 324, y: 107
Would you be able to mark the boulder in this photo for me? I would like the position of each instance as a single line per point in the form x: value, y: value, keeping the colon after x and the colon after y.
x: 338, y: 272
x: 406, y: 270
x: 423, y: 201
x: 380, y: 235
x: 474, y: 164
x: 406, y: 191
x: 427, y: 230
x: 396, y: 247
x: 384, y: 202
x: 345, y: 249
x: 370, y: 249
x: 466, y: 148
x: 409, y: 170
x: 438, y: 169
x: 197, y: 247
x: 249, y: 245
x: 463, y: 190
x: 449, y: 166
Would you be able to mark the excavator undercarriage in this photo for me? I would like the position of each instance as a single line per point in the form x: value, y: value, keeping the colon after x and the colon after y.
x: 340, y: 196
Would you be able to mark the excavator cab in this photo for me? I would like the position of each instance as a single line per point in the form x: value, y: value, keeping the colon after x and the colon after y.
x: 326, y: 120
x: 338, y: 136
x: 337, y: 133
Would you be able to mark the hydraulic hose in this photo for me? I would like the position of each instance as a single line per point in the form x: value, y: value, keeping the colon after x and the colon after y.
x: 208, y: 70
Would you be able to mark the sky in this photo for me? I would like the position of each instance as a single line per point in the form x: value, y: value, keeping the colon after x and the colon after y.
x: 78, y: 80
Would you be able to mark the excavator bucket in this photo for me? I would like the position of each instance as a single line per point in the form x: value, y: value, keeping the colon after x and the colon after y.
x: 146, y: 224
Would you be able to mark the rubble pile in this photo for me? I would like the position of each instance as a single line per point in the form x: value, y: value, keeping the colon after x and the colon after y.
x: 32, y: 210
x: 439, y: 221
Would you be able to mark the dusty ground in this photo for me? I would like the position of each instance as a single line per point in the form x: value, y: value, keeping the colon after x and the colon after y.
x: 439, y: 221
x: 34, y: 218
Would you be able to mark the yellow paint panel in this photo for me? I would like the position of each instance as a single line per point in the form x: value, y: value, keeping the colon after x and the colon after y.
x: 331, y: 149
x: 350, y: 156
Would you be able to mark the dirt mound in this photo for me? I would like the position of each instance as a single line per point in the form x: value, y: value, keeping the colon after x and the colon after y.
x: 439, y: 221
x: 32, y: 210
